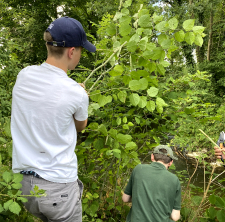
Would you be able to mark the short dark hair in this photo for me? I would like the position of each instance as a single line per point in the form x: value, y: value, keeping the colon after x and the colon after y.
x: 160, y: 157
x: 55, y: 51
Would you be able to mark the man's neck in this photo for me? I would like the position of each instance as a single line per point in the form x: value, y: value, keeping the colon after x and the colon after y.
x: 166, y: 165
x: 59, y: 63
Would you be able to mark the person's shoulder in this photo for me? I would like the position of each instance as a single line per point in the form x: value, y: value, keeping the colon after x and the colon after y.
x: 172, y: 175
x: 141, y: 166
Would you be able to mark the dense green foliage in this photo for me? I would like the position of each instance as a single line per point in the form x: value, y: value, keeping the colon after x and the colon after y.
x: 144, y: 85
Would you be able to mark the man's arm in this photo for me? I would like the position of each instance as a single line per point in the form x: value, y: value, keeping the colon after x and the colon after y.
x: 126, y: 198
x: 175, y: 215
x: 80, y: 125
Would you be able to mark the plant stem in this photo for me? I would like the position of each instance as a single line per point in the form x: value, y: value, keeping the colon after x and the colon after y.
x: 209, y: 139
x: 104, y: 62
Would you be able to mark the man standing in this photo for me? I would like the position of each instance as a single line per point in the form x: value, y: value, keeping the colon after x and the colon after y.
x: 155, y: 193
x: 48, y: 109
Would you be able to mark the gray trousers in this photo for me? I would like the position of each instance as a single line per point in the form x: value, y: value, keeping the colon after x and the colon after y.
x: 62, y: 203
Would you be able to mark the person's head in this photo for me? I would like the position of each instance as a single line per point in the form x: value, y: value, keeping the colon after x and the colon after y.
x: 66, y: 35
x: 164, y: 154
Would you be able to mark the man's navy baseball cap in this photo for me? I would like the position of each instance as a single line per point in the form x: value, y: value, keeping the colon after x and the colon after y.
x: 68, y: 32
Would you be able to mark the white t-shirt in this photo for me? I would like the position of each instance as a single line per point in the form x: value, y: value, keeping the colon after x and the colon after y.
x: 45, y: 100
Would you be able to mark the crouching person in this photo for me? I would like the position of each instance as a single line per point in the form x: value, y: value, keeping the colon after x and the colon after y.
x: 155, y: 192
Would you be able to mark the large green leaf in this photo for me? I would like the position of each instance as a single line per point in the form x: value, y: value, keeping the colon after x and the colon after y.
x: 150, y: 106
x: 7, y: 176
x: 143, y: 43
x: 103, y: 129
x: 173, y: 23
x: 162, y: 37
x: 166, y: 44
x: 116, y: 153
x: 125, y: 29
x: 143, y: 83
x: 143, y: 101
x: 144, y: 21
x: 162, y: 26
x: 198, y: 29
x: 131, y: 46
x: 212, y: 212
x: 99, y: 144
x: 127, y: 3
x: 188, y: 24
x: 131, y: 146
x: 179, y: 36
x: 134, y: 85
x: 124, y: 138
x: 154, y: 54
x: 134, y: 99
x: 190, y: 38
x: 7, y: 204
x: 15, y: 208
x: 122, y: 95
x: 221, y: 215
x: 198, y: 40
x: 152, y: 92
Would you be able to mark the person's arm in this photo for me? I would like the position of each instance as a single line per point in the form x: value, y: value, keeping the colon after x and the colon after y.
x: 219, y: 153
x: 80, y: 125
x: 126, y: 198
x: 175, y: 215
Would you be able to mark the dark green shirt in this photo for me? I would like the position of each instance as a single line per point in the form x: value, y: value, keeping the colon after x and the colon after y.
x: 155, y: 193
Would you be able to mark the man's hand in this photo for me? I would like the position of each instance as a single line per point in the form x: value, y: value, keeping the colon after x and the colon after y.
x: 82, y: 85
x: 219, y: 153
x: 126, y: 198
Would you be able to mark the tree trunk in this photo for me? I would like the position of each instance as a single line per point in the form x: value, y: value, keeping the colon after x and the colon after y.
x: 210, y: 35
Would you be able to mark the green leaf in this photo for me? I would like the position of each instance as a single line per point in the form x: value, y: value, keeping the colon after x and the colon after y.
x: 166, y: 44
x: 1, y: 208
x: 154, y: 54
x: 165, y: 63
x: 118, y: 121
x: 99, y: 144
x: 143, y: 43
x: 188, y: 24
x: 212, y: 199
x: 2, y: 140
x: 162, y: 26
x: 198, y: 40
x: 196, y: 200
x: 123, y: 138
x: 160, y: 69
x: 190, y: 38
x: 152, y: 92
x: 16, y: 185
x: 157, y: 18
x: 122, y: 95
x: 212, y: 212
x: 127, y: 3
x: 161, y: 38
x: 111, y: 29
x: 143, y: 101
x: 118, y: 15
x: 17, y: 178
x: 125, y: 29
x: 221, y: 215
x: 135, y: 38
x: 131, y: 146
x: 125, y: 119
x: 160, y: 101
x: 150, y: 106
x: 198, y: 29
x: 131, y: 46
x: 143, y: 83
x: 104, y: 100
x: 144, y: 21
x: 103, y: 129
x: 179, y: 36
x: 116, y: 153
x: 219, y: 202
x: 15, y: 208
x: 95, y: 195
x: 173, y: 23
x: 137, y: 120
x: 7, y: 176
x: 24, y: 200
x: 159, y: 108
x: 95, y: 95
x: 7, y: 204
x: 125, y: 11
x: 134, y: 99
x: 119, y: 68
x: 113, y: 133
x: 134, y: 85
